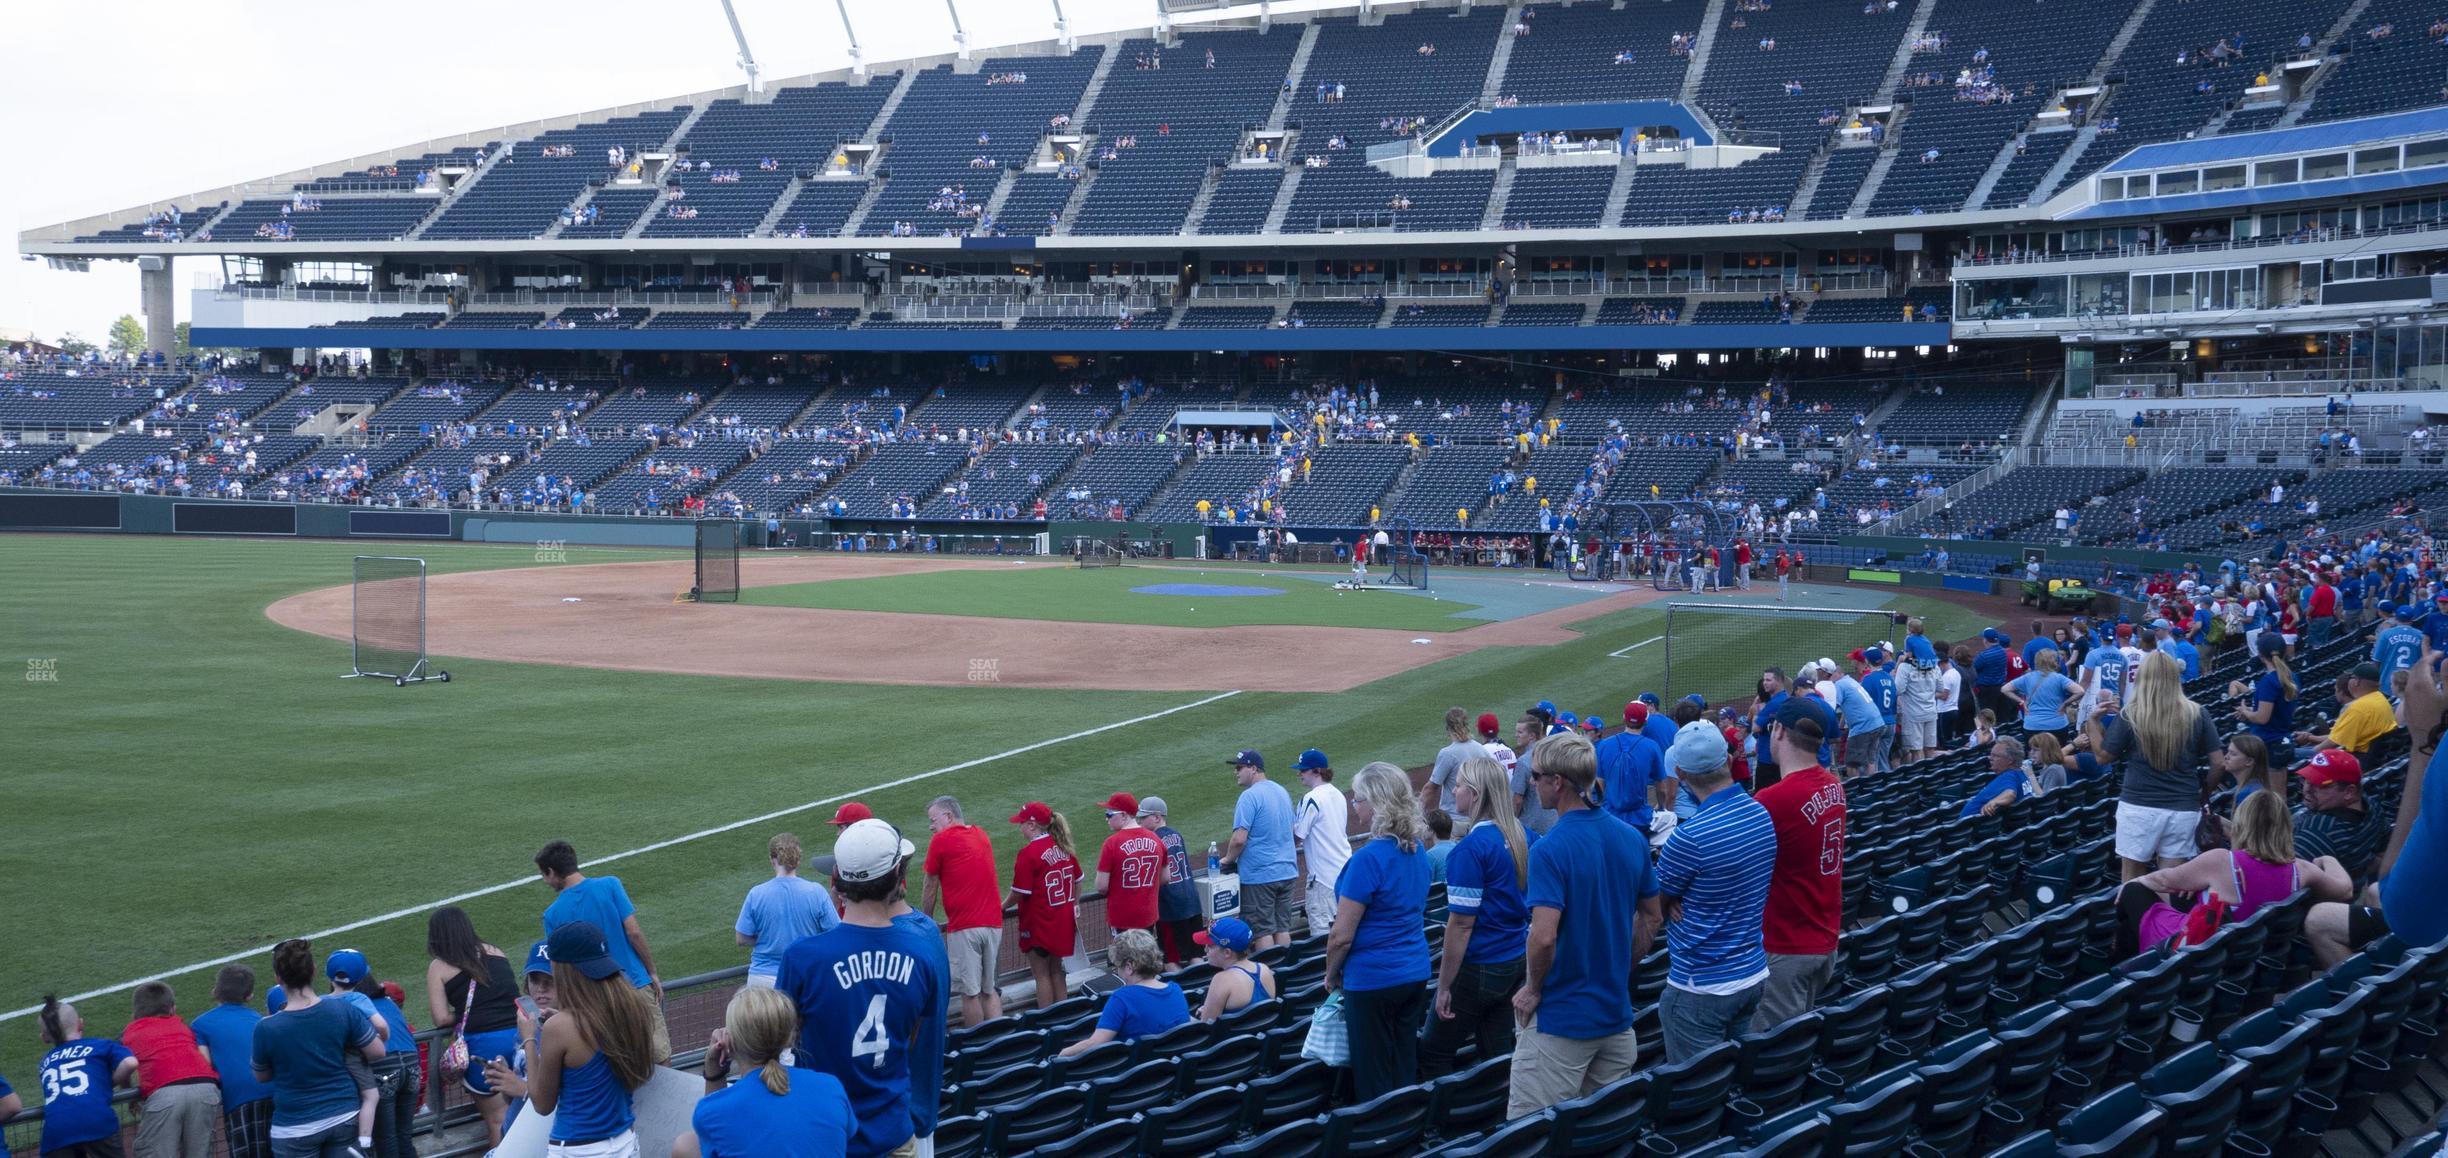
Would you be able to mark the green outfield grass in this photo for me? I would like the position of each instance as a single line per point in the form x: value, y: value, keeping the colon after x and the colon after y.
x: 1105, y: 595
x: 197, y: 780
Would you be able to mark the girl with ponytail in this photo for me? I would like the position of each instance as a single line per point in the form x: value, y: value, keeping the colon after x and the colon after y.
x: 1045, y: 888
x: 771, y: 1110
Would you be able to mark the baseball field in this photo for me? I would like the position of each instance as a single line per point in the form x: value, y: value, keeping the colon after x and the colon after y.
x: 187, y: 780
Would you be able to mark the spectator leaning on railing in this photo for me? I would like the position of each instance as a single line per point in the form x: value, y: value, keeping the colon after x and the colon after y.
x: 227, y: 1033
x: 960, y: 868
x: 175, y: 1079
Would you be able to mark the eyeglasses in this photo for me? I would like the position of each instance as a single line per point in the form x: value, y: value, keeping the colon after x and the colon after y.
x: 1110, y: 814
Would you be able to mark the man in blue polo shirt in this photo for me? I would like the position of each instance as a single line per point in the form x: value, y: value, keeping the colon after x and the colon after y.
x: 1989, y: 674
x: 1593, y: 912
x: 1714, y: 873
x: 1630, y: 767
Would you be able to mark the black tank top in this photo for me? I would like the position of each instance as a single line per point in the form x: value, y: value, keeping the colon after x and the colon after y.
x: 496, y: 997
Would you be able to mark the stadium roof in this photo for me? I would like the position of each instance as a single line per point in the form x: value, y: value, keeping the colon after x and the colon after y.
x: 2277, y: 142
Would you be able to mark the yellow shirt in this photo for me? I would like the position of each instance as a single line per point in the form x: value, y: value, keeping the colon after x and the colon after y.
x: 1462, y: 515
x: 2366, y: 719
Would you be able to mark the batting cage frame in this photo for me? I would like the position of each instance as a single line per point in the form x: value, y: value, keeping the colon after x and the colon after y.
x: 387, y: 621
x: 1090, y: 551
x: 1681, y: 525
x: 1731, y: 668
x: 1406, y: 564
x: 718, y: 576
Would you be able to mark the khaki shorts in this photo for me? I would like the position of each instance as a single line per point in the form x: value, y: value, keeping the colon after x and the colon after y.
x: 974, y: 954
x: 1549, y: 1069
x: 1268, y: 907
x: 1320, y: 908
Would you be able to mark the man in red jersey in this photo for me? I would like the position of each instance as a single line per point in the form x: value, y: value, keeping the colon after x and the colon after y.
x: 1806, y: 892
x: 1130, y: 869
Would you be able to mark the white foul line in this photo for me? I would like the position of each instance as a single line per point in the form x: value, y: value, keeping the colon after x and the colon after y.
x: 700, y: 834
x: 1621, y: 652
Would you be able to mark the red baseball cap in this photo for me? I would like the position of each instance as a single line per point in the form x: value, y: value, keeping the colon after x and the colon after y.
x: 1122, y: 802
x: 850, y: 814
x: 1488, y: 723
x: 1034, y: 813
x: 2332, y: 766
x: 1636, y: 713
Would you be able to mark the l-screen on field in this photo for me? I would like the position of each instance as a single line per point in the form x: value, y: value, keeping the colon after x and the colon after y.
x: 188, y: 778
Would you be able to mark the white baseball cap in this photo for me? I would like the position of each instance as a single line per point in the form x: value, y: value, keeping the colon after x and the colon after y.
x: 869, y: 849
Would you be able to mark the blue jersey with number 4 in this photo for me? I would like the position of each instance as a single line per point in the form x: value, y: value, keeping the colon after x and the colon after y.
x: 868, y: 998
x: 76, y: 1085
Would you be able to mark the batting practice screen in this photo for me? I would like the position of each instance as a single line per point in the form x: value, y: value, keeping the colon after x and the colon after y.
x: 1718, y: 649
x: 387, y: 616
x: 1095, y: 552
x: 717, y: 561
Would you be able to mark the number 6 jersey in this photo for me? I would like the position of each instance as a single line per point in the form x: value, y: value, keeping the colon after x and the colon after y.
x: 869, y: 999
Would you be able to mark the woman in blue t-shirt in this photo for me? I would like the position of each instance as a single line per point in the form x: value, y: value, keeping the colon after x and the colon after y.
x: 2043, y: 693
x: 2268, y: 702
x: 303, y: 1052
x: 1148, y: 1005
x: 1376, y: 960
x: 1486, y: 923
x: 773, y: 1111
x: 78, y: 1076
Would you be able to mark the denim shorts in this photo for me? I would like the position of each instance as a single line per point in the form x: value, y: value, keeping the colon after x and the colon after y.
x: 484, y: 1047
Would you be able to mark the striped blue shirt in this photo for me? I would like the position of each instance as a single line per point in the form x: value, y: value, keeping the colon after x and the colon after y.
x: 1719, y: 862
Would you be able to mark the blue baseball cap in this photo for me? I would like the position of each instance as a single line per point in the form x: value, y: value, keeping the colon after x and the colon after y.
x: 1649, y: 698
x: 1993, y: 635
x: 1594, y: 721
x: 346, y: 967
x: 537, y: 960
x: 1796, y: 709
x: 1699, y: 746
x: 1230, y: 933
x: 1311, y: 760
x: 2408, y: 612
x: 1545, y: 708
x: 1250, y: 757
x: 1568, y: 719
x: 1696, y: 699
x: 581, y: 946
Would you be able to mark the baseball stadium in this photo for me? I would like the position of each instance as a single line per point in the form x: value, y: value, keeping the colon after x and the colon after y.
x: 1730, y: 577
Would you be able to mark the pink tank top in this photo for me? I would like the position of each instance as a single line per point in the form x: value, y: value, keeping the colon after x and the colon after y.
x: 2258, y: 883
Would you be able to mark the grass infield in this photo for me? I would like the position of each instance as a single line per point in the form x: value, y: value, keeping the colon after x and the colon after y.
x: 193, y: 780
x: 1106, y: 595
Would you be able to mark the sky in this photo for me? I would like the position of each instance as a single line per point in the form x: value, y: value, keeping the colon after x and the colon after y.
x: 157, y: 100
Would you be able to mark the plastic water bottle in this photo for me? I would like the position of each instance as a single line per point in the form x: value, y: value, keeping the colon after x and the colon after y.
x: 1215, y: 860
